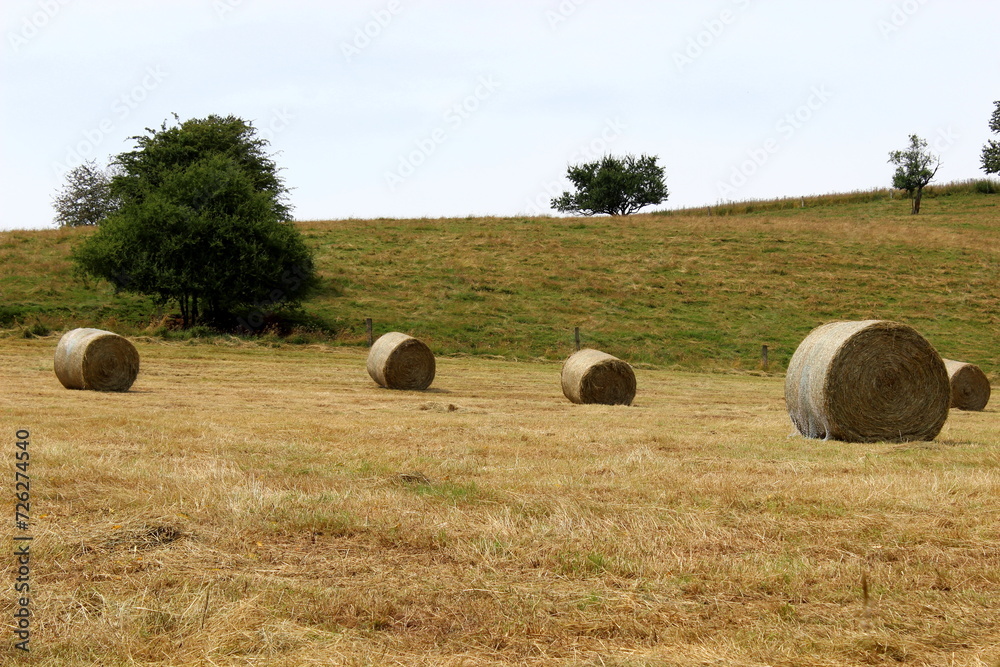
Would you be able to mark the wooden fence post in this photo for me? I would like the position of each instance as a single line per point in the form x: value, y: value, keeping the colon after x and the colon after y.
x: 763, y: 357
x: 576, y: 337
x: 368, y: 329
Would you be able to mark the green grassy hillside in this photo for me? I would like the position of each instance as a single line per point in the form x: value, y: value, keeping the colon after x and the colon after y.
x: 684, y: 289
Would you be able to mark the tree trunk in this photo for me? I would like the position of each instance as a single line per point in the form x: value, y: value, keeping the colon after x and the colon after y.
x: 215, y: 311
x: 916, y: 202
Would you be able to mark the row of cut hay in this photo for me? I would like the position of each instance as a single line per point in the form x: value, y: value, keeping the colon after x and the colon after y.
x: 104, y: 361
x: 970, y: 388
x: 854, y: 381
x: 592, y: 376
x: 876, y: 380
x: 399, y: 361
x: 96, y: 359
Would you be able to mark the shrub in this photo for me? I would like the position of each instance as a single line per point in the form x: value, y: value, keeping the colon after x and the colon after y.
x: 203, y: 223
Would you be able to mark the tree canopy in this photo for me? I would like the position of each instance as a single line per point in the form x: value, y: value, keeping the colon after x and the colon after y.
x: 613, y: 186
x: 202, y: 222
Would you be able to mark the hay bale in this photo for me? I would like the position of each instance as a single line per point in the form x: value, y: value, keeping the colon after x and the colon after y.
x: 970, y: 388
x: 865, y: 382
x: 591, y: 376
x: 96, y: 359
x: 398, y: 361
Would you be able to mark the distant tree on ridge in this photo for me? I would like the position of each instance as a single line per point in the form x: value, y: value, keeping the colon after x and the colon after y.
x: 613, y: 186
x: 915, y: 168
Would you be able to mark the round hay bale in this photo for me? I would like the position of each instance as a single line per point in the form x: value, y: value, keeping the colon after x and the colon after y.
x: 591, y: 376
x: 866, y: 382
x: 96, y: 359
x: 970, y: 388
x: 398, y: 361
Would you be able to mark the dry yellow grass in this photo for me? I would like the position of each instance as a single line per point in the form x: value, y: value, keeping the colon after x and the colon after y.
x: 244, y: 505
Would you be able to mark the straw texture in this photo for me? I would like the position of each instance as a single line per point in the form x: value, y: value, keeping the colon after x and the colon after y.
x: 970, y: 388
x: 865, y: 382
x: 591, y: 376
x: 398, y: 361
x: 96, y: 359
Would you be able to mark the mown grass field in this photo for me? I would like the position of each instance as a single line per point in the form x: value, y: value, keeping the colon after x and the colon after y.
x: 263, y: 502
x: 685, y: 291
x: 246, y: 505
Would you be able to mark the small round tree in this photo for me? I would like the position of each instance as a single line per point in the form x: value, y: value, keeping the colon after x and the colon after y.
x: 85, y: 199
x: 613, y: 186
x: 202, y: 222
x: 915, y: 168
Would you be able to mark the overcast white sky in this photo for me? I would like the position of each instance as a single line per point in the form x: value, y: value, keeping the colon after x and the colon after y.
x: 412, y: 108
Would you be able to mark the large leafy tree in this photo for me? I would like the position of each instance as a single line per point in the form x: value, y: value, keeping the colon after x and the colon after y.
x: 202, y: 222
x: 613, y: 186
x: 85, y: 198
x: 915, y: 168
x: 991, y: 151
